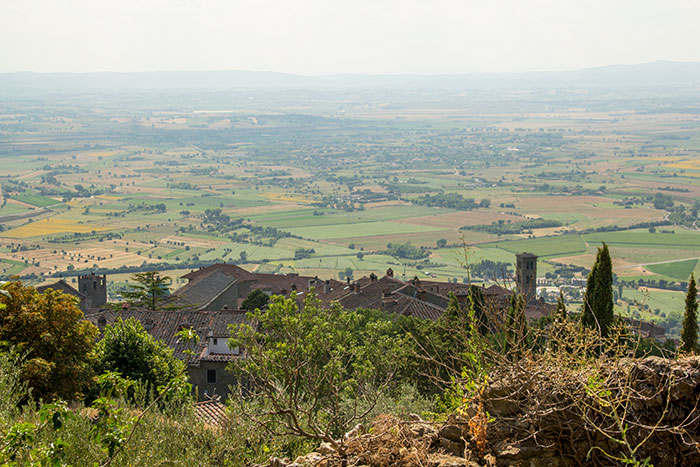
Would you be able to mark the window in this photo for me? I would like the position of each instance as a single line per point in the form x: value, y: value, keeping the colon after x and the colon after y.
x: 216, y: 341
x: 211, y: 376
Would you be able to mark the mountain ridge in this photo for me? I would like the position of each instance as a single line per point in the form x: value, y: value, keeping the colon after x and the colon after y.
x: 659, y: 73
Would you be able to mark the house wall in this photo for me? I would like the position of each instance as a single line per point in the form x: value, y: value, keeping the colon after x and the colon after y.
x: 198, y: 378
x: 221, y: 346
x: 227, y: 299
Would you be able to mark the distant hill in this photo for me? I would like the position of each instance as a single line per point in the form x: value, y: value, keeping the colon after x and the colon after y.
x: 655, y: 74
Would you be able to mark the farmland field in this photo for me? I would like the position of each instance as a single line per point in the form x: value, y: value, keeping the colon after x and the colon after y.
x: 425, y: 184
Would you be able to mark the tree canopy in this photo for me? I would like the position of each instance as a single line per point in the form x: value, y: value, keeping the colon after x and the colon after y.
x: 49, y: 331
x: 257, y: 299
x: 148, y: 290
x: 128, y: 349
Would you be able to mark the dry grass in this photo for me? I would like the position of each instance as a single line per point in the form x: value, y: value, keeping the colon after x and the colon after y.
x: 51, y: 226
x: 285, y: 197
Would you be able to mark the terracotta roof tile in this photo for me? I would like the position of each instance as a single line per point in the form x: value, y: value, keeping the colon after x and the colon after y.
x: 212, y: 412
x: 164, y: 325
x: 229, y: 269
x: 201, y: 291
x: 61, y: 286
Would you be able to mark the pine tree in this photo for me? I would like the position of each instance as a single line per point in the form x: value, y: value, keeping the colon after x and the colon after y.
x: 689, y: 335
x: 148, y: 290
x: 598, y: 301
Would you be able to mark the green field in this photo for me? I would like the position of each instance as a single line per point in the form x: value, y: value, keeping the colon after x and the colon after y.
x: 360, y: 229
x: 10, y: 208
x: 679, y: 270
x: 348, y: 174
x: 681, y: 239
x: 10, y: 268
x: 35, y: 199
x: 306, y: 218
x: 563, y: 245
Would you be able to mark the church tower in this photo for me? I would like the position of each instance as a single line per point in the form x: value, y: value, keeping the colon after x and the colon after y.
x: 94, y: 288
x: 526, y: 276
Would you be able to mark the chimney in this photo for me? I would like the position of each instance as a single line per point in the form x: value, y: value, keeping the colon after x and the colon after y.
x: 313, y: 282
x: 356, y: 287
x: 327, y: 286
x: 390, y: 272
x: 373, y: 278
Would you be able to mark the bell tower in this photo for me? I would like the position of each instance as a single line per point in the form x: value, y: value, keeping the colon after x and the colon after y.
x: 94, y: 288
x: 526, y: 276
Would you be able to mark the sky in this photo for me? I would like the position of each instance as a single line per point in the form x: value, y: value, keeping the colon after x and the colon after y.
x: 316, y: 37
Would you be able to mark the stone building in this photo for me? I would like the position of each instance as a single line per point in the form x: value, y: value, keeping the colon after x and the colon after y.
x: 94, y: 288
x: 526, y: 276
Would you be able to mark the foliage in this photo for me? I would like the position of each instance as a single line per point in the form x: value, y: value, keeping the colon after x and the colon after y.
x: 491, y: 269
x: 406, y: 251
x: 561, y: 307
x: 12, y: 389
x: 149, y: 289
x: 48, y: 330
x: 689, y: 334
x: 449, y: 200
x: 346, y: 274
x: 516, y: 327
x: 301, y: 253
x: 303, y: 364
x: 598, y: 300
x: 127, y: 348
x: 501, y: 227
x: 257, y: 299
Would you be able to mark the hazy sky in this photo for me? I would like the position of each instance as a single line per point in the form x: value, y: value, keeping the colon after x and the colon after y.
x: 331, y: 36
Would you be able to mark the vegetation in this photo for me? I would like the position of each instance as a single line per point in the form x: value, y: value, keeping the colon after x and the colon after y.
x: 406, y: 251
x: 689, y: 334
x: 311, y: 372
x: 501, y: 227
x: 53, y: 340
x: 126, y: 348
x: 598, y: 302
x: 149, y: 289
x: 255, y: 300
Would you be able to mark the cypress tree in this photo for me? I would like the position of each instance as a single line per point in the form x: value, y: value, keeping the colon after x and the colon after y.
x: 598, y: 301
x: 587, y: 317
x: 689, y: 335
x: 604, y: 302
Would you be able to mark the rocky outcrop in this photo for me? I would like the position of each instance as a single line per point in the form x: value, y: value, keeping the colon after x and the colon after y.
x: 641, y: 409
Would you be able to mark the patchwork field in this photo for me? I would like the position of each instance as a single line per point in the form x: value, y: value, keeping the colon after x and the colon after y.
x: 337, y: 187
x: 49, y: 226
